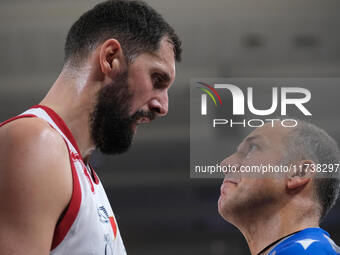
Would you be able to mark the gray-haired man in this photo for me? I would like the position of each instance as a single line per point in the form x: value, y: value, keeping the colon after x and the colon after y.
x: 280, y: 212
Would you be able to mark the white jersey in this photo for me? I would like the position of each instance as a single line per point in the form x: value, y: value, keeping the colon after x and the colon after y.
x: 88, y: 226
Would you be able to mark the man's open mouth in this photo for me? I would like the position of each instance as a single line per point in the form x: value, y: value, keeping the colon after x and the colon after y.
x: 142, y: 120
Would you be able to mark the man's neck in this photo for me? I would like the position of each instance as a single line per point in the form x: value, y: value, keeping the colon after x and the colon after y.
x: 271, y: 246
x: 73, y: 100
x: 262, y: 230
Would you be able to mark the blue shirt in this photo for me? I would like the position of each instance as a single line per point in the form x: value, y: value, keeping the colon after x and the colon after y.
x: 310, y: 241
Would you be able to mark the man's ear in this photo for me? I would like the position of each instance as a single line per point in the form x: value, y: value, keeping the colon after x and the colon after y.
x: 111, y: 58
x: 301, y: 173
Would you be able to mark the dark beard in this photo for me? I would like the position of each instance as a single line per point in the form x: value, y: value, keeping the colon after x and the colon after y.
x: 111, y: 126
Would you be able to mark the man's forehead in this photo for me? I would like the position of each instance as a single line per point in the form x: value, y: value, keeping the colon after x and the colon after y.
x: 165, y: 50
x: 161, y: 60
x: 165, y: 55
x: 269, y: 132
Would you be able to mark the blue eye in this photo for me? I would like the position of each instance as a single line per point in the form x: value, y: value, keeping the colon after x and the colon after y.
x: 252, y: 148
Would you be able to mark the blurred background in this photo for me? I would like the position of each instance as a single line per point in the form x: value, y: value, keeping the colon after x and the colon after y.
x: 160, y: 210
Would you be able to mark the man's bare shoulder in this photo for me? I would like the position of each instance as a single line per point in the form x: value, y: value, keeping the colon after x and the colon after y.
x: 30, y: 136
x: 35, y: 181
x: 32, y: 144
x: 26, y: 128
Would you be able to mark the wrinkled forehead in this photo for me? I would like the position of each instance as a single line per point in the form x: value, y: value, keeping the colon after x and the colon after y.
x: 165, y: 56
x: 162, y: 60
x: 272, y: 134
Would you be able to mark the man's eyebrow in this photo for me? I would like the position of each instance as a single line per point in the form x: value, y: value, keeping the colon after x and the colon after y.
x: 165, y: 76
x: 250, y: 139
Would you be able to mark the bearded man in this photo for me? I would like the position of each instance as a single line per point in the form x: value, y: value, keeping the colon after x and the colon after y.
x: 119, y: 64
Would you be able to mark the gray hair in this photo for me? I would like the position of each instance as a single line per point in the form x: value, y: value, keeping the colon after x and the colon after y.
x: 309, y: 142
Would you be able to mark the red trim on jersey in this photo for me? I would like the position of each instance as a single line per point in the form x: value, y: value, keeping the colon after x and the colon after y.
x: 64, y: 225
x: 60, y: 123
x: 88, y: 178
x: 77, y: 157
x: 17, y: 117
x: 94, y: 174
x: 71, y: 212
x: 113, y: 225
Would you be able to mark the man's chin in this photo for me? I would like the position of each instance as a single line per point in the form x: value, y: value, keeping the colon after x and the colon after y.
x: 222, y: 211
x: 114, y: 148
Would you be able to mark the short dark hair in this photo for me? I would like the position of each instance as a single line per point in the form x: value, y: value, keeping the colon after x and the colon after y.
x: 137, y: 26
x: 307, y: 141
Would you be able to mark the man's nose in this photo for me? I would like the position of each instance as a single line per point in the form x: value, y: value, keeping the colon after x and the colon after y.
x: 231, y: 162
x: 159, y: 105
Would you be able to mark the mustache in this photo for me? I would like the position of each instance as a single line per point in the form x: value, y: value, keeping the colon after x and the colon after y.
x: 143, y: 114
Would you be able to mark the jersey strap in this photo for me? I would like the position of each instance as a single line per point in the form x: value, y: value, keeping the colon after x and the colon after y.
x: 70, y: 213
